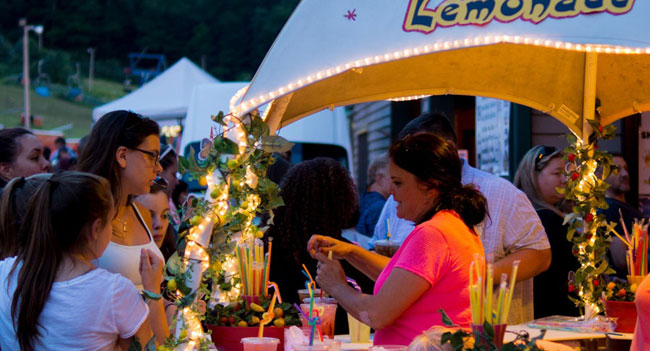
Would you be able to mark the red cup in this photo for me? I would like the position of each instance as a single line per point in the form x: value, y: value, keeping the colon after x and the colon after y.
x: 625, y: 314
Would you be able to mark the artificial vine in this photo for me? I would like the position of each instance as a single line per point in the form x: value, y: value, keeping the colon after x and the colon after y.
x: 233, y: 166
x: 587, y: 169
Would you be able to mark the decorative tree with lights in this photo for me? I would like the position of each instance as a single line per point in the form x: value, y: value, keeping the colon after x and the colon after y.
x: 587, y: 169
x: 233, y: 167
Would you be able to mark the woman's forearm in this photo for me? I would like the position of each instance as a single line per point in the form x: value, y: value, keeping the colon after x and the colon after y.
x: 369, y: 263
x: 158, y: 320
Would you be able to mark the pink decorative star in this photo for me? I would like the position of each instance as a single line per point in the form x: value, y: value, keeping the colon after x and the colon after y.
x: 351, y: 15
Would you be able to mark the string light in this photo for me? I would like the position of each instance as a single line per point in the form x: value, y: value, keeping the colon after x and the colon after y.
x: 253, y: 102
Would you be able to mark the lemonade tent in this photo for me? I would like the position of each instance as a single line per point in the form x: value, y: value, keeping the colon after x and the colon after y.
x: 560, y: 57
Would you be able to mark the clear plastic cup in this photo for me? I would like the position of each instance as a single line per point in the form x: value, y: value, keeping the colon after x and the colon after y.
x: 359, y: 332
x: 386, y: 247
x: 263, y: 344
x: 327, y: 314
x: 315, y: 347
x: 388, y: 348
x: 304, y: 294
x: 334, y: 345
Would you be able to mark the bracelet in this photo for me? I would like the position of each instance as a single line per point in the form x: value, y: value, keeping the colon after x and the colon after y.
x: 148, y: 295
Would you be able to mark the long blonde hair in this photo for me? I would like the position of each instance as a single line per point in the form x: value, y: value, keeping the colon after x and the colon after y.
x: 533, y: 162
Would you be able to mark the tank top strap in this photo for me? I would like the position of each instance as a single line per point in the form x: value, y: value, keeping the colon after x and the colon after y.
x: 146, y: 228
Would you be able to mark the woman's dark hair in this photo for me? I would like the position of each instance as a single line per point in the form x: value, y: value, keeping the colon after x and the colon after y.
x: 61, y: 213
x: 176, y: 194
x: 9, y: 147
x: 13, y: 205
x: 114, y: 129
x: 435, y: 162
x: 319, y: 197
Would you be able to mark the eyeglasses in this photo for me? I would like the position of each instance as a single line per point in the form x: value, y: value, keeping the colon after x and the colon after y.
x: 544, y: 151
x: 154, y: 155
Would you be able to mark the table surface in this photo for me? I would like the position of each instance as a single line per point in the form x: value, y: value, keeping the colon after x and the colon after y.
x: 560, y: 335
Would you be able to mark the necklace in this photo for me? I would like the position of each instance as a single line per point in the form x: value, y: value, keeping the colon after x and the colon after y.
x: 123, y: 220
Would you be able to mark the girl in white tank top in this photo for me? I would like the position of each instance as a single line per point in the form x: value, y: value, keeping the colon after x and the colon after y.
x: 124, y: 259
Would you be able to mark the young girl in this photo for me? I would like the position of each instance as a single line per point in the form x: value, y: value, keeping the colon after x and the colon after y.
x: 157, y: 202
x: 51, y: 296
x: 13, y: 205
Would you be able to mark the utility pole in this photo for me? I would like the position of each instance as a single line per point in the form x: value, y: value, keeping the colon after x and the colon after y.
x: 26, y: 28
x: 91, y: 69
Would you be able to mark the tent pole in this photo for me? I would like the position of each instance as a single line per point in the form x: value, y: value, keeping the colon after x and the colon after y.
x: 276, y: 111
x: 589, y: 100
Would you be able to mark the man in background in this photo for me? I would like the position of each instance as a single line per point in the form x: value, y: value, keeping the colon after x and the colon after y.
x: 372, y: 201
x: 619, y: 185
x: 512, y: 232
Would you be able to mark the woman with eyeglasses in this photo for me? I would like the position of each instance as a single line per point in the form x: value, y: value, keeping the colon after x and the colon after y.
x: 540, y: 173
x: 124, y: 148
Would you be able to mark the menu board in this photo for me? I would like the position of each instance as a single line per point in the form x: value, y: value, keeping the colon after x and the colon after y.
x: 492, y: 130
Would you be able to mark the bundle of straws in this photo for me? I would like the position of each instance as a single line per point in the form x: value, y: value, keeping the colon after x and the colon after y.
x: 254, y: 266
x: 481, y: 294
x: 313, y: 319
x: 637, y: 246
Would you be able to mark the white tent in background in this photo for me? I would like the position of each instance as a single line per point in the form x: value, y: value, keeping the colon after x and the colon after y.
x: 164, y: 98
x: 206, y: 100
x: 324, y: 127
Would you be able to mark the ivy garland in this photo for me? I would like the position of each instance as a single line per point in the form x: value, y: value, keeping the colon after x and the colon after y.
x: 587, y: 169
x: 239, y: 166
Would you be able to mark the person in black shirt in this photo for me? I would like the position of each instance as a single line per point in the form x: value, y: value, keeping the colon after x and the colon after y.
x: 619, y: 185
x: 540, y: 172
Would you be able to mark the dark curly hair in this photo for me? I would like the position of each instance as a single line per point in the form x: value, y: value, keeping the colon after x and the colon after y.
x: 319, y: 197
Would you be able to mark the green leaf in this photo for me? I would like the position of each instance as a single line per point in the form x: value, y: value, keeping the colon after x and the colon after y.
x: 275, y: 143
x: 219, y: 118
x: 446, y: 321
x: 225, y: 146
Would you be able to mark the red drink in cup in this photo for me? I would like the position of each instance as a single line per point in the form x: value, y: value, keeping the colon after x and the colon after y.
x: 326, y: 308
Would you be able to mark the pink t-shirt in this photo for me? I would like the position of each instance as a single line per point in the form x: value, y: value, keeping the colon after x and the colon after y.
x: 641, y: 340
x: 440, y: 251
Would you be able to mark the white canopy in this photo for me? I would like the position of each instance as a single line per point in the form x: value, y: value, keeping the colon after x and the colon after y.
x: 165, y: 97
x: 340, y: 52
x: 324, y: 127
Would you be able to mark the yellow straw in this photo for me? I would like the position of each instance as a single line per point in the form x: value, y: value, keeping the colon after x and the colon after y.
x: 513, y: 278
x: 488, y: 293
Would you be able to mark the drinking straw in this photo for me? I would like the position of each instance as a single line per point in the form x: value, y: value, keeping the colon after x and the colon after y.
x: 502, y: 288
x: 329, y: 255
x: 488, y: 293
x: 388, y: 235
x: 353, y: 283
x: 267, y: 317
x: 268, y: 265
x: 513, y: 278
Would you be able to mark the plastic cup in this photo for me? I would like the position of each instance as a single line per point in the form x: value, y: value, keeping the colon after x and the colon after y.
x: 386, y: 247
x: 388, y: 348
x: 263, y: 344
x: 359, y: 332
x: 315, y: 347
x: 334, y: 345
x: 304, y: 294
x: 327, y: 316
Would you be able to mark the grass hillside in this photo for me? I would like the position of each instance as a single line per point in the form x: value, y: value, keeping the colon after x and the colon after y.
x: 56, y: 112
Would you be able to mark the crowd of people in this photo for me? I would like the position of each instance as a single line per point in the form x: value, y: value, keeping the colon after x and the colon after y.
x: 93, y: 234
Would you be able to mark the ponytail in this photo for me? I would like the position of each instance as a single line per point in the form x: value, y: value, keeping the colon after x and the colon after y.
x: 8, y: 218
x: 60, y: 213
x: 467, y: 202
x: 13, y: 205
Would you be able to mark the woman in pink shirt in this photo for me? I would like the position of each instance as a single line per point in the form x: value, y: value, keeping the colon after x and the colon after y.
x: 430, y: 271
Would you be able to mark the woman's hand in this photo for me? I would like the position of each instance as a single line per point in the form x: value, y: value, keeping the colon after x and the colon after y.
x: 325, y: 244
x: 151, y: 267
x: 329, y: 273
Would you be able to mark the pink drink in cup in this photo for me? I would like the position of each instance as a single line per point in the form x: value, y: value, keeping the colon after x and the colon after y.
x: 327, y: 313
x: 263, y: 344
